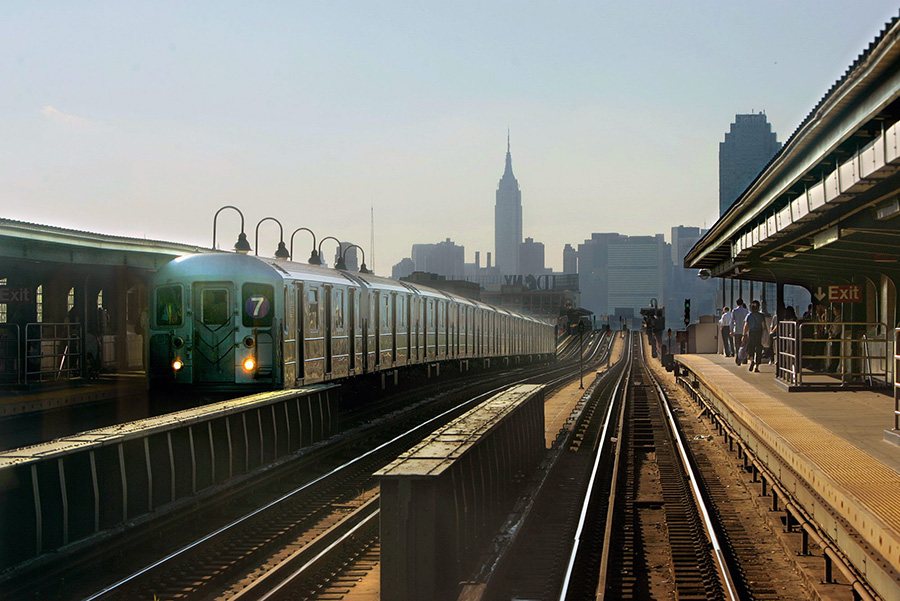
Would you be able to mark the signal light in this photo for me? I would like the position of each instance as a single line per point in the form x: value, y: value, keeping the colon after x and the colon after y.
x: 177, y: 364
x: 249, y: 364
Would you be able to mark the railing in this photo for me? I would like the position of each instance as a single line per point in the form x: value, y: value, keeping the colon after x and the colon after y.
x: 896, y: 379
x: 833, y: 353
x: 52, y: 351
x: 788, y: 353
x: 10, y: 354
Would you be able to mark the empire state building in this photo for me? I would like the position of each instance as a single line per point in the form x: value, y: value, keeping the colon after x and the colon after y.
x: 508, y: 220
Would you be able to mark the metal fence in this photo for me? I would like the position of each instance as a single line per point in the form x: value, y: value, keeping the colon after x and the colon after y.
x: 52, y: 351
x: 838, y: 353
x: 10, y: 354
x: 896, y: 380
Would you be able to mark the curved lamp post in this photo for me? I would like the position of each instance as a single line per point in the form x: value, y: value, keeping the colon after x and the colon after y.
x: 314, y: 256
x: 362, y: 267
x: 281, y: 252
x: 340, y: 261
x: 241, y: 246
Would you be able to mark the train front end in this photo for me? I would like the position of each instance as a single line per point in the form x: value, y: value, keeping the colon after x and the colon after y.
x: 214, y: 322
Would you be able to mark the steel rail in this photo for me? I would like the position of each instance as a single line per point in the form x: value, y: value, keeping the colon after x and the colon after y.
x: 592, y: 481
x: 250, y: 593
x: 600, y: 591
x: 705, y: 514
x: 112, y: 588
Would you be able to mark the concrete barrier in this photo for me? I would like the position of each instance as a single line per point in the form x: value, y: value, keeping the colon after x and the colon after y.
x: 442, y: 500
x: 56, y: 493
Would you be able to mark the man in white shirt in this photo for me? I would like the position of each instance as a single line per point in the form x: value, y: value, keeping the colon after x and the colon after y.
x: 738, y: 317
x: 725, y: 329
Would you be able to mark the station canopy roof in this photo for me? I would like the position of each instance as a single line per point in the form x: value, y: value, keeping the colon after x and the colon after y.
x: 32, y: 242
x: 827, y: 206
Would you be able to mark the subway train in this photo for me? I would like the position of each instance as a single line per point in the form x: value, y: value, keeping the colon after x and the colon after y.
x: 238, y: 322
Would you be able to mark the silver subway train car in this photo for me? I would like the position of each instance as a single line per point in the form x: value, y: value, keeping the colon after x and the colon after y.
x: 236, y: 321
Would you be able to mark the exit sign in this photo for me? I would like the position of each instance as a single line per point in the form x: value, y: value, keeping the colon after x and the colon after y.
x: 849, y: 293
x: 10, y: 295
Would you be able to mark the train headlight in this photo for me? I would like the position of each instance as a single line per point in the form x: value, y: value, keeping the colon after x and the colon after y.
x: 249, y: 342
x: 249, y: 364
x: 177, y: 364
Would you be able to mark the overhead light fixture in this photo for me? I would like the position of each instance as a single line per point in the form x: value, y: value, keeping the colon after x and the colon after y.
x: 826, y: 237
x: 888, y: 209
x: 883, y: 258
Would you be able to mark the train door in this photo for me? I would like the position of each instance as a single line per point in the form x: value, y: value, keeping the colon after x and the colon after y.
x: 409, y: 328
x: 394, y: 326
x: 413, y: 319
x: 425, y: 330
x: 458, y: 326
x: 213, y: 333
x: 351, y: 315
x: 375, y: 312
x: 290, y: 347
x: 365, y: 310
x: 387, y: 326
x: 300, y: 355
x: 329, y: 333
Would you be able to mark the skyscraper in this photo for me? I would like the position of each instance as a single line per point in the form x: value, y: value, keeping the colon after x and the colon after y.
x: 508, y: 220
x: 570, y: 259
x: 531, y: 257
x: 747, y: 148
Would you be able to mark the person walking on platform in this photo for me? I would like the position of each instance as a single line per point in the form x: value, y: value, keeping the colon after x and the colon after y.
x: 737, y: 327
x: 725, y: 329
x: 753, y: 330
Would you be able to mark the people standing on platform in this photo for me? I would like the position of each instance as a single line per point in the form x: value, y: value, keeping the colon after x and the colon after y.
x: 738, y: 315
x: 754, y: 324
x: 725, y: 329
x: 809, y: 314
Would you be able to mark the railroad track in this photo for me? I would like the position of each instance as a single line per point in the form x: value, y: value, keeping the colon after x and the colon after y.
x: 666, y: 543
x: 622, y: 515
x: 305, y: 535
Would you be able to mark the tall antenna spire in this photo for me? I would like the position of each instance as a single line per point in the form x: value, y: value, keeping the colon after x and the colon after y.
x: 507, y: 139
x: 372, y: 238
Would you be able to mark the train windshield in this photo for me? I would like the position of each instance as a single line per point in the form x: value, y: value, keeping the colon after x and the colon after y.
x: 169, y: 306
x: 215, y: 307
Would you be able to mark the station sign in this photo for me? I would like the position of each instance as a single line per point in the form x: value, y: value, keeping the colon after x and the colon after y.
x: 11, y: 295
x: 849, y: 293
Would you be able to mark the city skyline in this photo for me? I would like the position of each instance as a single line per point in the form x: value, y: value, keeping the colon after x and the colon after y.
x: 315, y: 114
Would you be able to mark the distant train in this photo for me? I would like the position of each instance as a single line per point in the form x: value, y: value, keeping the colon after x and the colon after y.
x: 227, y: 320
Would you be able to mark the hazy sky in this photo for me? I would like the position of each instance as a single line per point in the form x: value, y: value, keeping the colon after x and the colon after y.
x: 142, y: 119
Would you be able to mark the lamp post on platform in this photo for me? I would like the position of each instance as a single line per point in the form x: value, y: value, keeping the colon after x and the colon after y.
x: 340, y: 262
x: 362, y: 267
x: 281, y: 252
x: 241, y: 246
x: 314, y: 255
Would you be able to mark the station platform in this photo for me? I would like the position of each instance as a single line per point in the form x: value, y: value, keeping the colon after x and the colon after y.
x: 830, y: 444
x: 70, y: 393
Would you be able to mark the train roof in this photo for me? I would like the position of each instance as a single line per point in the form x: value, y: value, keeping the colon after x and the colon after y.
x: 216, y: 265
x: 226, y: 264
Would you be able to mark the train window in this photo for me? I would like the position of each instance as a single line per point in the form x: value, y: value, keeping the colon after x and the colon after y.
x: 385, y: 312
x: 214, y: 310
x: 313, y: 307
x: 401, y: 314
x: 338, y: 309
x: 169, y: 306
x: 257, y: 305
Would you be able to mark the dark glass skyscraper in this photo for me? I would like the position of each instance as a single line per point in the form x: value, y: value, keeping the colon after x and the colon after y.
x: 508, y: 220
x: 747, y: 148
